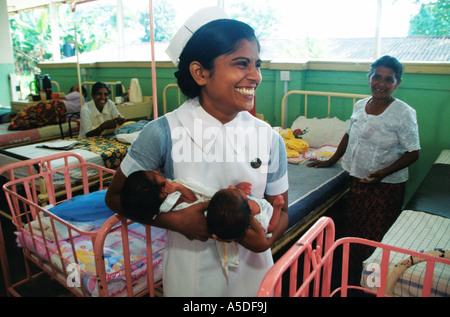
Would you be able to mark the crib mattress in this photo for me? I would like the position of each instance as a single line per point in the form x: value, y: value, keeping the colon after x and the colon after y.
x: 311, y: 187
x: 113, y: 254
x: 418, y: 231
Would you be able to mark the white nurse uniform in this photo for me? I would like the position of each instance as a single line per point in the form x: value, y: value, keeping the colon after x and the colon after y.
x: 218, y: 155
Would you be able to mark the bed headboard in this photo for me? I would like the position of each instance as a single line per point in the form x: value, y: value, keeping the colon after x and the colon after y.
x: 307, y: 93
x: 165, y: 96
x: 112, y: 85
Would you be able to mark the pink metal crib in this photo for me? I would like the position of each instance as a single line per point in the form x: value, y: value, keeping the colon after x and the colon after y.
x: 82, y: 270
x: 316, y: 248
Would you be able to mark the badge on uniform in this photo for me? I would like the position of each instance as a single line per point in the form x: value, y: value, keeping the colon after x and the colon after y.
x: 255, y: 163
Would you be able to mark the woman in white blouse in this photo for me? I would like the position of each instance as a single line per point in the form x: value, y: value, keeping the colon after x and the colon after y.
x: 382, y: 141
x: 100, y: 113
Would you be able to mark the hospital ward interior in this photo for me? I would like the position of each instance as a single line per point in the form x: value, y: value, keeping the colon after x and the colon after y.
x: 341, y: 163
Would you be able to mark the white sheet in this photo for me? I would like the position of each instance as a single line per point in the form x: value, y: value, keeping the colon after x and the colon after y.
x: 444, y: 157
x: 32, y: 151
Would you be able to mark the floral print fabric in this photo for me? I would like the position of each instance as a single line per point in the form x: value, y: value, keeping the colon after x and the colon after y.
x: 37, y: 116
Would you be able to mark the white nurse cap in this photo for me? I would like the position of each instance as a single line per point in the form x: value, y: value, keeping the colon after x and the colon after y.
x: 191, y: 25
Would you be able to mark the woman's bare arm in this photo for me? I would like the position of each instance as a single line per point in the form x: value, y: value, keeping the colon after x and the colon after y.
x: 336, y: 156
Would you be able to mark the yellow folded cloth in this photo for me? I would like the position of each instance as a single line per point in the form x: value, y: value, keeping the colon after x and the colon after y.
x: 294, y: 146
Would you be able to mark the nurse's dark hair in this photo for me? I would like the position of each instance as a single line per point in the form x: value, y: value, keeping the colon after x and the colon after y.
x: 99, y: 85
x: 389, y: 62
x: 213, y: 39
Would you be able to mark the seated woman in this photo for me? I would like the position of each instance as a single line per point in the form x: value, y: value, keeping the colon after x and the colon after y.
x: 72, y: 99
x: 100, y: 113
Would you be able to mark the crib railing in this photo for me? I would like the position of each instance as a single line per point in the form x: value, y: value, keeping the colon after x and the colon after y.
x: 116, y: 223
x: 317, y: 249
x: 37, y: 228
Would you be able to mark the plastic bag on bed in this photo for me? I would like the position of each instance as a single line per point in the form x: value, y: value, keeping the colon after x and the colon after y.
x: 89, y: 208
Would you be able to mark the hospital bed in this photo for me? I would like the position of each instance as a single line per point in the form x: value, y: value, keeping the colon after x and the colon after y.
x: 412, y: 259
x: 81, y: 164
x: 15, y: 138
x: 423, y: 226
x: 106, y: 151
x: 308, y: 268
x: 9, y: 139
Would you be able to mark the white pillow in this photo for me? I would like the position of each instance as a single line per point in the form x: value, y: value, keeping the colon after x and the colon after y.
x: 318, y: 132
x: 127, y: 137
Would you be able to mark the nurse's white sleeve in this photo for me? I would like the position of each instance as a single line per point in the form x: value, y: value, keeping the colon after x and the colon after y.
x: 277, y: 177
x: 151, y: 150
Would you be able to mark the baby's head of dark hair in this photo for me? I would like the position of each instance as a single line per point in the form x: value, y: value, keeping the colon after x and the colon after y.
x: 228, y: 215
x: 140, y: 197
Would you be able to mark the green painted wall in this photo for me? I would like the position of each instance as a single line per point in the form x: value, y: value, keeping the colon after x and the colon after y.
x: 5, y: 91
x: 426, y: 91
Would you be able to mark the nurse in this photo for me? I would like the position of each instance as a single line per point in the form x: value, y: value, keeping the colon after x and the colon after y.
x: 213, y: 138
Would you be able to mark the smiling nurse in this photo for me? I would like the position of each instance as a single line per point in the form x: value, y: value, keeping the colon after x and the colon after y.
x: 234, y: 91
x: 211, y: 138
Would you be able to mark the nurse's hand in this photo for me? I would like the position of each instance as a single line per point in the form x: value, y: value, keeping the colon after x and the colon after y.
x: 255, y: 238
x: 190, y: 221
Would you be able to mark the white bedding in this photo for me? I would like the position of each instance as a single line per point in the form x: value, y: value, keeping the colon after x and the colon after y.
x: 444, y: 157
x: 418, y: 231
x: 318, y: 132
x: 32, y: 151
x: 113, y: 254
